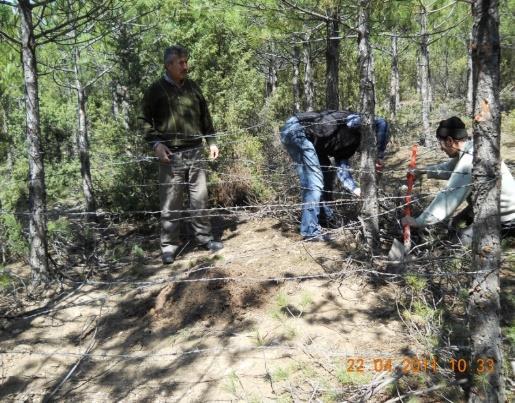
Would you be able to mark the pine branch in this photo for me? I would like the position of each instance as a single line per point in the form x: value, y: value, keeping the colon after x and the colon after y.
x: 10, y: 38
x: 72, y: 24
x: 308, y: 12
x: 40, y: 19
x: 94, y: 80
x: 257, y: 7
x: 41, y: 3
x: 452, y: 3
x: 63, y: 85
x: 416, y: 36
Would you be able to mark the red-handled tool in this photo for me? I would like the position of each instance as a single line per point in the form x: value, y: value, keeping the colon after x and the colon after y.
x: 406, y: 232
x: 399, y: 250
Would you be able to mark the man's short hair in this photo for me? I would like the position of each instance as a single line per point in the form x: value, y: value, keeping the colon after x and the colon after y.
x: 175, y: 50
x: 452, y: 127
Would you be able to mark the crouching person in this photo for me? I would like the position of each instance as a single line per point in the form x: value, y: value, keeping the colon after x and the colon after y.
x: 454, y: 142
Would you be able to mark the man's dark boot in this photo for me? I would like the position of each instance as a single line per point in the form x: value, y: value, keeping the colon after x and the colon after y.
x: 168, y: 258
x: 213, y: 246
x: 319, y: 238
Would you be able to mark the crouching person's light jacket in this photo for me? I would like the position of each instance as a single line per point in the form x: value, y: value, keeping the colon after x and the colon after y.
x: 458, y: 171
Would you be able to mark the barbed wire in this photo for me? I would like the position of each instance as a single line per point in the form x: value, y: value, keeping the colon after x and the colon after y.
x: 215, y: 351
x: 337, y: 235
x: 204, y: 164
x: 246, y: 209
x: 282, y: 279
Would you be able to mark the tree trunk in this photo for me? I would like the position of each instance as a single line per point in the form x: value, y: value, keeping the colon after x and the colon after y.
x: 115, y: 107
x: 82, y: 138
x: 425, y: 85
x: 4, y: 252
x: 395, y: 98
x: 419, y: 86
x: 127, y: 79
x: 446, y: 73
x: 121, y: 104
x: 10, y: 161
x: 271, y: 79
x: 2, y: 241
x: 83, y: 147
x: 370, y: 211
x: 332, y: 57
x: 484, y: 303
x: 5, y: 137
x: 309, y: 85
x: 37, y: 192
x: 296, y: 79
x: 470, y: 81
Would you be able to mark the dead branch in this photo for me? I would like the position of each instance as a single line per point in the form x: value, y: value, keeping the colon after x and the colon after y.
x: 424, y: 391
x: 70, y: 373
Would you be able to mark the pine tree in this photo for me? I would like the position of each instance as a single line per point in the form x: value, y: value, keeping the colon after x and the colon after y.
x: 484, y: 302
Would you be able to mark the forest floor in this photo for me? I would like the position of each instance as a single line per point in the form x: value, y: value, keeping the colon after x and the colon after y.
x: 268, y: 318
x: 250, y: 338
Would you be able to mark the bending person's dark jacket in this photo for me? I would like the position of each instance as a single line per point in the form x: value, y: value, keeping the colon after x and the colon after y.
x: 337, y: 133
x: 176, y: 116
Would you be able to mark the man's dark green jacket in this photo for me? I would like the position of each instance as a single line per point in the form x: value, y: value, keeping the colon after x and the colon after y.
x: 176, y: 116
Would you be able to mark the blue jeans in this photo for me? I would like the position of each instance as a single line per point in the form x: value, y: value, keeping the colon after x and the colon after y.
x: 307, y: 165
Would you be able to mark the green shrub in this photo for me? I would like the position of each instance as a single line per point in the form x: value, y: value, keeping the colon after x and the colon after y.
x: 60, y: 229
x: 5, y: 279
x: 12, y: 234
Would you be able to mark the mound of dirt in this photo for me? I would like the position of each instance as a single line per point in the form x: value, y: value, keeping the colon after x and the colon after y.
x: 205, y: 297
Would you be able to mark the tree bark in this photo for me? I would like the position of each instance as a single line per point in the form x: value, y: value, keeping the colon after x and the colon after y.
x: 129, y: 76
x: 395, y: 98
x: 370, y: 208
x: 37, y: 192
x: 296, y: 79
x: 82, y: 137
x: 121, y: 104
x: 5, y: 137
x: 309, y: 85
x: 446, y: 73
x: 484, y: 303
x: 332, y: 56
x: 425, y: 84
x: 470, y: 81
x: 271, y: 77
x: 419, y: 86
x: 2, y: 240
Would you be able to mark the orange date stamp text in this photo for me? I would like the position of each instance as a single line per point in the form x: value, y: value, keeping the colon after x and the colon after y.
x: 417, y: 365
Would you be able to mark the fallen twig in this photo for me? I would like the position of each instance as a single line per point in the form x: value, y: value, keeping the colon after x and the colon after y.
x: 70, y: 373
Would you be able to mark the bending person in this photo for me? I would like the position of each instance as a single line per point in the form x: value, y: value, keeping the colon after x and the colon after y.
x: 343, y: 171
x: 311, y: 138
x: 454, y: 142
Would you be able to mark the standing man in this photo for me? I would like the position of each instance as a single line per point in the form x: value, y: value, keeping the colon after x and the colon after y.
x: 176, y: 120
x: 310, y: 138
